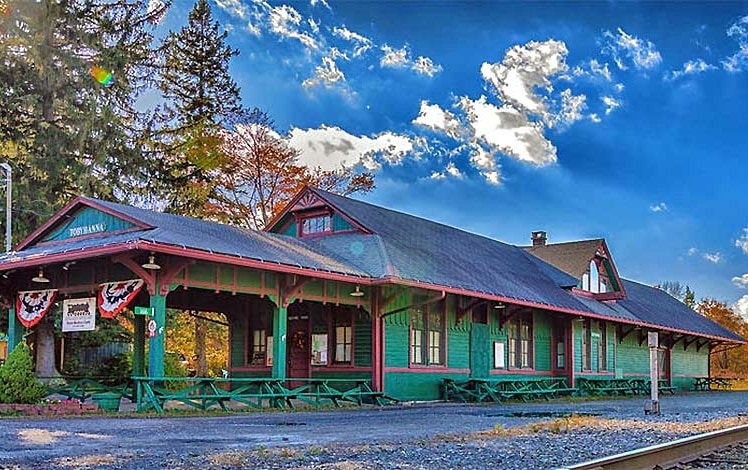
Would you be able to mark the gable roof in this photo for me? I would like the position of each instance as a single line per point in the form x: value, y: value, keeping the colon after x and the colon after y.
x: 572, y: 258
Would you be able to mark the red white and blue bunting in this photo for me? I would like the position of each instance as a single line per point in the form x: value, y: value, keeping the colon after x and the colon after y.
x: 32, y: 305
x: 116, y: 296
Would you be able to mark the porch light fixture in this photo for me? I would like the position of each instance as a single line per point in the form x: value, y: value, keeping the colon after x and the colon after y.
x: 67, y: 265
x: 499, y: 305
x: 151, y: 264
x: 7, y: 273
x: 357, y: 292
x: 40, y: 277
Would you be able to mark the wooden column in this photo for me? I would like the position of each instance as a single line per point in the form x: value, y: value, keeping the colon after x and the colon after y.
x: 280, y: 324
x: 15, y: 330
x: 138, y: 353
x: 156, y: 344
x: 376, y: 344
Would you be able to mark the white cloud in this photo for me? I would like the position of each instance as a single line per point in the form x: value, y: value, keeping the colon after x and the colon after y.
x: 661, y: 207
x: 394, y: 58
x: 619, y: 87
x: 232, y: 7
x: 610, y: 104
x: 742, y: 242
x: 507, y: 130
x: 626, y: 50
x: 450, y: 170
x: 593, y: 70
x: 572, y: 109
x: 433, y: 117
x: 331, y: 147
x: 361, y: 43
x: 321, y: 2
x: 485, y: 161
x: 715, y: 257
x: 155, y: 6
x: 741, y: 307
x: 692, y: 67
x: 739, y: 60
x: 426, y: 66
x: 328, y: 74
x: 741, y: 281
x: 285, y: 20
x: 692, y: 251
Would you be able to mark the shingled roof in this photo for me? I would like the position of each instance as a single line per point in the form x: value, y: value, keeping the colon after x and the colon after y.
x: 570, y: 257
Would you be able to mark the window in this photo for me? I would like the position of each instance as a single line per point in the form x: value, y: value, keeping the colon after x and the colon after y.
x: 559, y: 338
x: 521, y: 347
x: 602, y: 348
x: 260, y: 327
x: 427, y: 335
x: 318, y: 224
x: 586, y: 345
x: 343, y: 327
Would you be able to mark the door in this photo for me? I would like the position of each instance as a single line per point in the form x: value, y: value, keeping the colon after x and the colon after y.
x: 663, y: 361
x: 299, y: 355
x: 480, y: 351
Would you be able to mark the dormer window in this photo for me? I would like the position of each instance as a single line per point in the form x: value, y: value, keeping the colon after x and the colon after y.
x: 316, y: 225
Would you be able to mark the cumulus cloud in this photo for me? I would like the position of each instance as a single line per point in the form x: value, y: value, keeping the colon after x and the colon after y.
x: 627, y: 50
x: 741, y: 307
x: 285, y: 21
x: 692, y: 251
x: 741, y: 281
x: 610, y: 104
x: 432, y: 116
x: 692, y: 67
x: 361, y: 43
x: 739, y: 32
x: 426, y: 66
x: 450, y: 170
x: 331, y: 147
x: 661, y: 207
x: 394, y: 58
x: 592, y: 69
x: 328, y: 74
x: 742, y: 242
x: 715, y: 257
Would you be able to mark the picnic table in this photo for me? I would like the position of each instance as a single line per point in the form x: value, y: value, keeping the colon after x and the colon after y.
x: 621, y: 385
x: 712, y: 383
x: 501, y: 389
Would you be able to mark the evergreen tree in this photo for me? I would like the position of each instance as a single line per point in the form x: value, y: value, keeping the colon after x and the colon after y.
x: 71, y: 74
x: 201, y: 97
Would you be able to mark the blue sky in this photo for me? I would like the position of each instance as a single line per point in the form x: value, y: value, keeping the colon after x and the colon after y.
x: 618, y: 120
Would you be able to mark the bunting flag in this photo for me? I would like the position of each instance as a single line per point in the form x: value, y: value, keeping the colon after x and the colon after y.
x: 32, y: 305
x: 115, y: 296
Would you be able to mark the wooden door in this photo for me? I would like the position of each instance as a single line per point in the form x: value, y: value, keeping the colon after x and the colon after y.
x: 299, y: 355
x: 480, y: 351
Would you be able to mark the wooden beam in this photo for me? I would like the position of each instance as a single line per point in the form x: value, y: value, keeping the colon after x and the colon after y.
x: 171, y: 272
x: 132, y: 265
x: 431, y: 300
x: 461, y: 312
x: 290, y: 292
x: 700, y: 345
x: 687, y: 343
x: 642, y: 336
x: 622, y: 334
x: 509, y: 313
x: 676, y: 339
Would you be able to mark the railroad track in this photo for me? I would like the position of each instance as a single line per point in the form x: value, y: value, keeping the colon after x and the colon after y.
x: 725, y: 448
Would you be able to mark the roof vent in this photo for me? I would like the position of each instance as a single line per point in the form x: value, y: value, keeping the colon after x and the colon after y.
x: 539, y: 238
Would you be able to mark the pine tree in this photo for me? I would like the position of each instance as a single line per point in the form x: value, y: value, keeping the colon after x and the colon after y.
x: 201, y: 97
x: 71, y: 73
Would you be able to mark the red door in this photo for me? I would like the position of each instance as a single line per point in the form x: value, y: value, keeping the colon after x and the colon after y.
x: 299, y: 355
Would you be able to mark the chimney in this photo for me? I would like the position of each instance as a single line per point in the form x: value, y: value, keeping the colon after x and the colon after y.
x: 539, y: 238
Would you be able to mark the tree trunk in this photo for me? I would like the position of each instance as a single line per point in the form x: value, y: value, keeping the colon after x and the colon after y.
x: 44, y: 347
x: 201, y: 331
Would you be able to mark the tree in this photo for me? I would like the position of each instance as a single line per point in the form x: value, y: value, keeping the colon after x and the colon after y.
x: 200, y: 98
x: 63, y: 132
x: 262, y: 173
x: 680, y: 292
x: 723, y: 360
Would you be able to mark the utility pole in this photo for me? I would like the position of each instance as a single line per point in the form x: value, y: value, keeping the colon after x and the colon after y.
x: 8, y: 204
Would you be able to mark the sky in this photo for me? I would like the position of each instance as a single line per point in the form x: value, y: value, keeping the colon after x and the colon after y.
x: 616, y: 120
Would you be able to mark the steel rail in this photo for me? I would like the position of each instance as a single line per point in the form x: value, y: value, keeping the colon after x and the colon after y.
x: 668, y: 452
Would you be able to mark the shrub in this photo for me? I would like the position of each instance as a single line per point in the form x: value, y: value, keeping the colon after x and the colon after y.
x: 17, y: 381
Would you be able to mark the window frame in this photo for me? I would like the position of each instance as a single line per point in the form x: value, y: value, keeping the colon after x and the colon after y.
x: 427, y: 344
x: 341, y: 319
x: 327, y: 228
x: 521, y: 342
x: 256, y: 356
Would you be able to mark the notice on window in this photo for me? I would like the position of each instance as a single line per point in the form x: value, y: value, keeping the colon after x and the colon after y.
x: 498, y: 355
x: 319, y: 350
x: 79, y: 314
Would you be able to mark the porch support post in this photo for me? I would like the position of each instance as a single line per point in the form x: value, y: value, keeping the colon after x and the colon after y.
x: 138, y: 353
x: 156, y: 343
x: 15, y: 330
x: 280, y: 322
x: 376, y: 344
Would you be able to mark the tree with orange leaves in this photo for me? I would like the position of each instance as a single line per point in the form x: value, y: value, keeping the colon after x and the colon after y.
x: 726, y: 361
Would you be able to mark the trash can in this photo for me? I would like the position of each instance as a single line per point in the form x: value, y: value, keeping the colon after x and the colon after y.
x: 107, y: 401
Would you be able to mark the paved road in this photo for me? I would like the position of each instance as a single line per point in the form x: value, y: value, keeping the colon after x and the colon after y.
x: 29, y: 443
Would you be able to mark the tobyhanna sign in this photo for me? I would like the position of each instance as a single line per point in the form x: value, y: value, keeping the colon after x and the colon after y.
x: 86, y: 230
x: 79, y: 314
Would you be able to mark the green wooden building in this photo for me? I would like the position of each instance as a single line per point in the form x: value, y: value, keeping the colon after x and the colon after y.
x: 338, y: 288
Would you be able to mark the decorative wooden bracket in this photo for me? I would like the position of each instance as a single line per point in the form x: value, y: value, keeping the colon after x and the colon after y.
x: 676, y: 339
x: 700, y: 345
x: 642, y: 336
x: 622, y: 334
x: 431, y: 300
x: 509, y: 313
x: 461, y: 312
x: 171, y: 272
x: 687, y: 343
x: 385, y: 301
x: 293, y: 290
x: 138, y: 270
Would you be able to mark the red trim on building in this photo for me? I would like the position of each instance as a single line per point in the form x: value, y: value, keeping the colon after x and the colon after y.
x: 427, y: 369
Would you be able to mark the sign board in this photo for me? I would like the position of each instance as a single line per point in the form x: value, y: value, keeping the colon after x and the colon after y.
x: 653, y: 339
x: 152, y: 328
x: 498, y: 355
x: 143, y: 311
x: 79, y: 314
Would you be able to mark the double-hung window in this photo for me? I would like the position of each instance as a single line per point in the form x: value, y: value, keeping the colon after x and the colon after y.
x: 343, y: 336
x: 427, y: 335
x: 520, y: 339
x: 260, y: 326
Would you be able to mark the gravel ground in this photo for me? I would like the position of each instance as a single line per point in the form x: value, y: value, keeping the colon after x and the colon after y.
x: 421, y: 436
